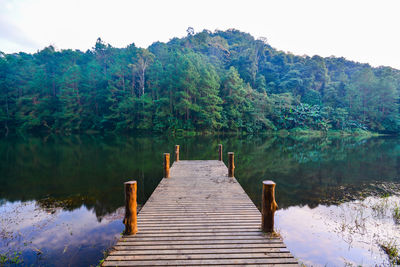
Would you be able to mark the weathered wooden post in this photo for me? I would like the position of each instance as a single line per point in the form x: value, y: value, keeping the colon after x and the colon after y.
x: 176, y: 152
x: 130, y: 219
x: 166, y: 165
x: 231, y: 164
x: 220, y: 152
x: 269, y: 206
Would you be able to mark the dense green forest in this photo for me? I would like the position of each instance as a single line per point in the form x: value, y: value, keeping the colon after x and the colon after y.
x: 222, y: 81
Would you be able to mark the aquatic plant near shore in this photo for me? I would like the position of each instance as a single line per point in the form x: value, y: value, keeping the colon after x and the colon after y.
x: 396, y: 214
x: 392, y: 251
x: 14, y: 258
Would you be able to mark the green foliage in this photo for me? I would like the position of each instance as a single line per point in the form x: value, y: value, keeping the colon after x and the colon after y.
x: 396, y: 214
x: 205, y: 82
x: 392, y: 251
x: 14, y: 258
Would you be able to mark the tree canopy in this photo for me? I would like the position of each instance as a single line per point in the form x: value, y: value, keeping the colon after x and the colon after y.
x: 223, y: 81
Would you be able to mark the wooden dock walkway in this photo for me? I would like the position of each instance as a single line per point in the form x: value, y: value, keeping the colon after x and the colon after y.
x: 199, y: 217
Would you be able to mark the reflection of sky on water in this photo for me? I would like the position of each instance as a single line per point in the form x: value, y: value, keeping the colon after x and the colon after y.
x: 63, y: 238
x: 322, y: 236
x: 338, y: 235
x: 64, y: 170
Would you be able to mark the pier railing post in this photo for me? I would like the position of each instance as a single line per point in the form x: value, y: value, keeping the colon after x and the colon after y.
x: 220, y: 152
x: 130, y: 219
x: 177, y: 153
x: 269, y: 206
x: 166, y: 165
x: 231, y: 164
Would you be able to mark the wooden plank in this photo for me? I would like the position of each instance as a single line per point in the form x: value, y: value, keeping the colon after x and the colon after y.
x: 199, y: 217
x: 152, y: 234
x: 199, y: 246
x: 259, y: 255
x: 205, y: 207
x: 197, y: 209
x: 195, y: 238
x: 203, y: 221
x: 190, y: 217
x: 197, y: 242
x: 212, y: 230
x: 215, y: 262
x: 197, y: 251
x: 181, y: 209
x: 199, y: 214
x: 194, y: 227
x: 240, y: 223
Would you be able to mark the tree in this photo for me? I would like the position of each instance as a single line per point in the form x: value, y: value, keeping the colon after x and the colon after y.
x: 206, y: 81
x: 71, y: 99
x: 235, y: 102
x: 143, y: 62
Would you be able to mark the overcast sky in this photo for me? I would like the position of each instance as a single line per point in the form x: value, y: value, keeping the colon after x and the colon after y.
x: 360, y: 30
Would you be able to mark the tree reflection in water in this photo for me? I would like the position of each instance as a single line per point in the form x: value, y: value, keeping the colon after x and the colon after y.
x: 77, y: 180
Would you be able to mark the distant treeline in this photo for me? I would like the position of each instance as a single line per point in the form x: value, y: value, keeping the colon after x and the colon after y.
x: 222, y: 81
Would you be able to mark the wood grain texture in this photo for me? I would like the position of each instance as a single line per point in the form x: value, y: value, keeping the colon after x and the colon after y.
x: 268, y: 206
x: 199, y: 217
x: 231, y: 164
x: 177, y: 153
x: 130, y: 219
x: 166, y: 165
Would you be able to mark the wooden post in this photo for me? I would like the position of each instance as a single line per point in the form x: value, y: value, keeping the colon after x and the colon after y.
x: 166, y: 165
x: 130, y: 219
x: 220, y: 152
x: 177, y: 153
x: 269, y: 206
x: 231, y: 164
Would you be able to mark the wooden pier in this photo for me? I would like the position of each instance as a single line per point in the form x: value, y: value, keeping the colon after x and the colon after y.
x: 199, y: 217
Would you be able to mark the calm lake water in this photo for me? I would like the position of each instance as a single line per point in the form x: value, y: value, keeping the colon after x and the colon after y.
x: 61, y: 197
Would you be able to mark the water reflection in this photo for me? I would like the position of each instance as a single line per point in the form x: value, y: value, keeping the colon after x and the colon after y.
x: 349, y: 234
x: 58, y: 238
x: 316, y: 171
x: 64, y: 192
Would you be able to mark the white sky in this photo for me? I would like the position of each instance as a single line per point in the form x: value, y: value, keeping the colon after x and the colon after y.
x: 360, y: 30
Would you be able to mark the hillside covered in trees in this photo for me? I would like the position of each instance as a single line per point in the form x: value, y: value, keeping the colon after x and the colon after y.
x: 222, y: 81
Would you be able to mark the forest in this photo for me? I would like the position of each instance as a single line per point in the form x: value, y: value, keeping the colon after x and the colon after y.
x: 205, y: 82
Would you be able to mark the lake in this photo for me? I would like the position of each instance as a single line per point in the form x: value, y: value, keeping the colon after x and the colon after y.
x: 61, y: 197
